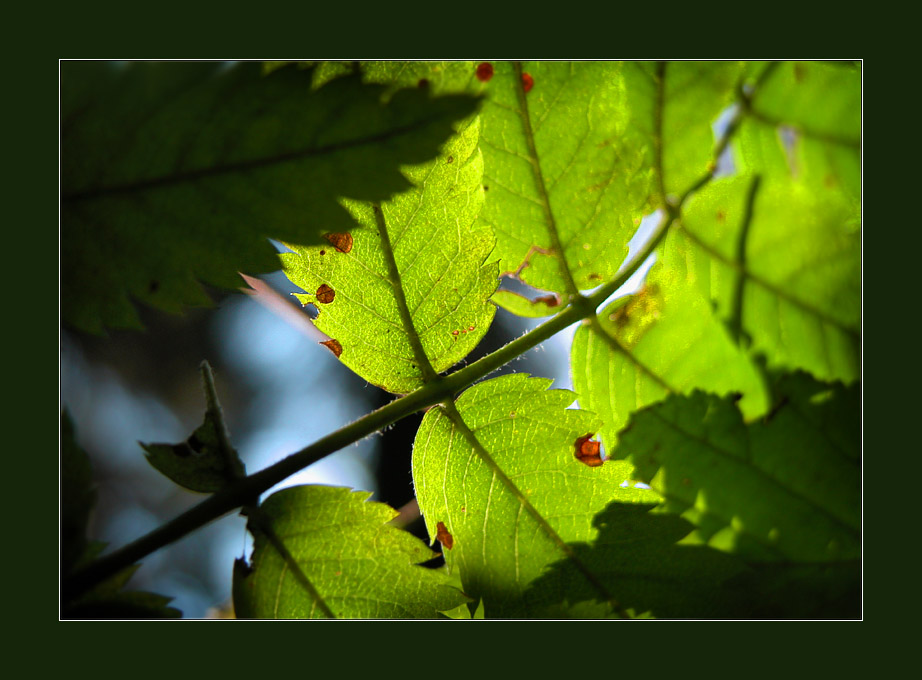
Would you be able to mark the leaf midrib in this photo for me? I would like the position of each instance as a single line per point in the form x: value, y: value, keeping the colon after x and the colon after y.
x: 244, y: 166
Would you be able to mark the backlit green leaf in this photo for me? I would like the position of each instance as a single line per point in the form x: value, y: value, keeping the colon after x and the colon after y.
x: 174, y: 173
x: 800, y: 293
x: 419, y: 254
x: 359, y: 565
x: 662, y: 340
x: 783, y: 489
x: 498, y: 547
x: 681, y: 99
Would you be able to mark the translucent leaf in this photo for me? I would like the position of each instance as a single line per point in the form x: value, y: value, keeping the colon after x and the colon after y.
x: 558, y: 158
x: 664, y: 339
x: 636, y: 555
x: 800, y: 291
x: 783, y: 489
x: 685, y: 99
x: 414, y: 272
x: 497, y: 546
x: 359, y: 565
x: 176, y: 172
x: 640, y: 557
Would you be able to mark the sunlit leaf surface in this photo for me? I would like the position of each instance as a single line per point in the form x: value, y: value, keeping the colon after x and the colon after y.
x: 359, y: 565
x: 497, y: 546
x: 419, y: 254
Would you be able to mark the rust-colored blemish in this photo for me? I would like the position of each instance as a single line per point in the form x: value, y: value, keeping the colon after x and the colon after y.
x: 484, y: 71
x: 333, y: 346
x: 527, y: 82
x: 455, y: 332
x: 588, y: 451
x: 595, y: 277
x: 552, y: 300
x: 342, y: 242
x: 323, y: 252
x: 325, y: 294
x: 444, y: 536
x: 721, y: 216
x: 451, y: 159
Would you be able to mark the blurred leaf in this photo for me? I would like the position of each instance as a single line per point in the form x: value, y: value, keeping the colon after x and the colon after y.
x: 544, y: 305
x: 206, y: 461
x: 108, y: 600
x: 497, y: 546
x: 176, y: 172
x: 360, y: 566
x: 77, y: 495
x: 441, y: 275
x: 783, y: 489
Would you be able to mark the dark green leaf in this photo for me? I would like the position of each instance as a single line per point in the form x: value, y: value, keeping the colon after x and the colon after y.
x: 174, y: 173
x: 786, y: 488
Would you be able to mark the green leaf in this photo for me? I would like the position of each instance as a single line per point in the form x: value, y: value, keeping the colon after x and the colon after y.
x: 673, y: 108
x: 662, y: 340
x: 637, y: 557
x: 205, y: 461
x: 77, y: 495
x: 783, y: 489
x: 640, y: 557
x: 561, y: 171
x: 497, y: 545
x: 175, y: 173
x: 342, y: 544
x: 413, y: 278
x: 543, y: 305
x: 108, y: 600
x: 796, y: 292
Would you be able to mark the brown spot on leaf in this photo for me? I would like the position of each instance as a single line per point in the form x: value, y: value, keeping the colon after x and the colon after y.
x: 588, y: 451
x: 342, y: 242
x: 799, y: 72
x: 527, y: 82
x: 552, y: 300
x: 595, y: 277
x: 325, y: 294
x: 323, y: 252
x: 423, y: 82
x: 455, y: 332
x: 451, y: 159
x: 444, y: 536
x: 484, y: 71
x: 486, y: 188
x: 333, y: 346
x: 721, y: 216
